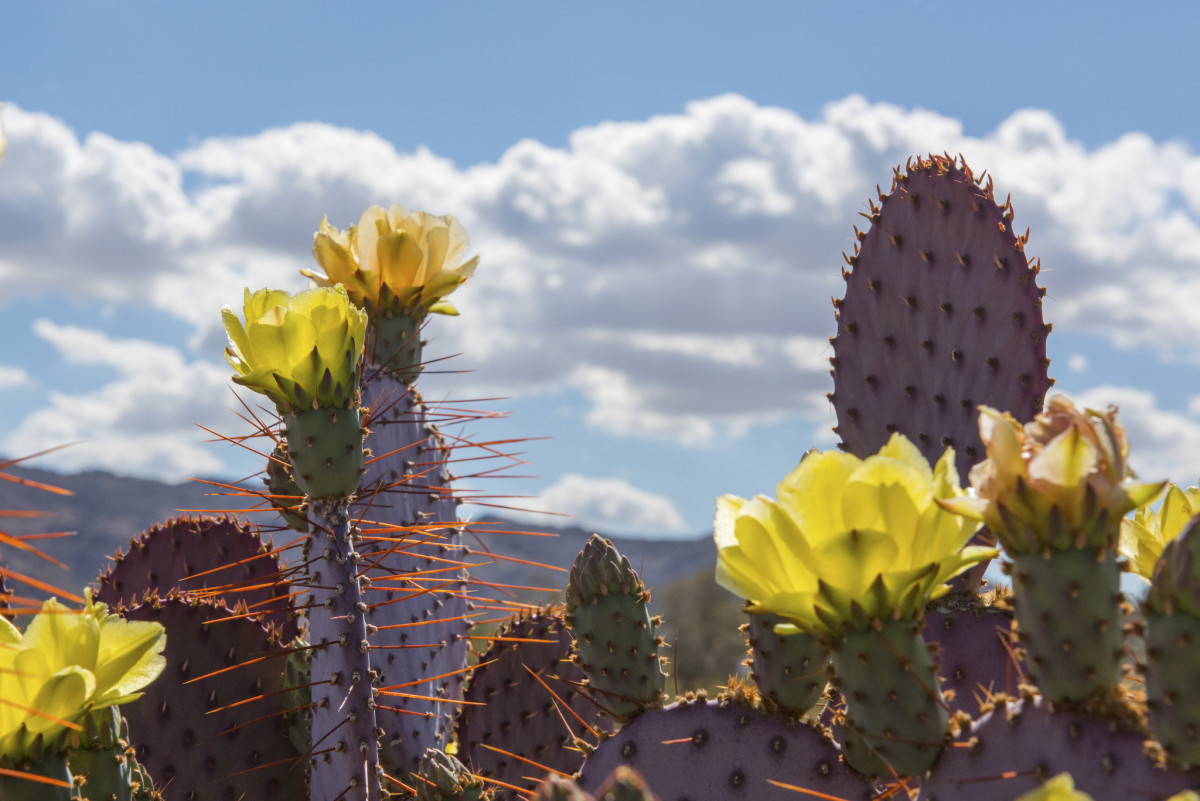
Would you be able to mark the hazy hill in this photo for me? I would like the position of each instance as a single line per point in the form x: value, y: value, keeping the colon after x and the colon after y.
x: 106, y: 510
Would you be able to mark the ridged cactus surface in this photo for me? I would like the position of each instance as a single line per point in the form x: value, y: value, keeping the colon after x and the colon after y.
x: 418, y: 593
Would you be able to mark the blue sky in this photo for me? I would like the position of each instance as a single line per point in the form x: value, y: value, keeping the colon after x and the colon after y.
x: 659, y: 193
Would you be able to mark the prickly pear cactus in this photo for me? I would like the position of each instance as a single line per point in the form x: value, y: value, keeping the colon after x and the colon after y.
x: 441, y: 777
x: 942, y: 313
x: 789, y: 670
x: 418, y: 595
x: 725, y: 749
x: 616, y: 643
x: 213, y: 556
x: 214, y: 723
x: 524, y: 714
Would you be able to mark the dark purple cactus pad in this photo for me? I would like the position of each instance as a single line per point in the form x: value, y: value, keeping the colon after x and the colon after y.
x: 520, y: 715
x: 418, y: 594
x: 192, y: 754
x: 724, y: 749
x: 1019, y: 745
x: 975, y: 656
x: 220, y: 552
x: 942, y: 314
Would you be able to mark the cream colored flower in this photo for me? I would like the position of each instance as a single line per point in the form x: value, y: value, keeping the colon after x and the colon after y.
x: 848, y: 540
x: 1058, y: 482
x: 395, y: 260
x: 1145, y: 534
x: 302, y: 351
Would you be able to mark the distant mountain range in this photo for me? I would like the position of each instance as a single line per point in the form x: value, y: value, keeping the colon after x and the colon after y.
x: 105, y: 511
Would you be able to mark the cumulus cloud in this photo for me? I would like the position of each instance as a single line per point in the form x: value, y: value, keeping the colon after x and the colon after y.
x: 612, y: 504
x: 13, y: 377
x: 676, y: 270
x: 140, y: 423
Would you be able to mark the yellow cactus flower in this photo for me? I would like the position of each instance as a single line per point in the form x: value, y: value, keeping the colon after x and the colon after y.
x: 848, y: 540
x: 395, y: 260
x: 1144, y: 536
x: 1060, y: 788
x: 1060, y: 481
x: 302, y: 351
x: 67, y: 663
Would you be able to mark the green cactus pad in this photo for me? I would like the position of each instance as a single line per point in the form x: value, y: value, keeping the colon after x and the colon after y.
x: 1069, y: 621
x: 1172, y: 675
x: 557, y: 788
x: 394, y: 344
x: 284, y: 493
x: 442, y: 777
x: 893, y: 700
x: 50, y: 766
x: 626, y: 784
x: 101, y: 756
x: 616, y: 643
x: 326, y: 449
x: 789, y: 670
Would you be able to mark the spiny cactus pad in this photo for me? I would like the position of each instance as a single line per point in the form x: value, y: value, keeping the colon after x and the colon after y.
x: 790, y: 670
x: 203, y: 555
x: 977, y: 657
x: 326, y: 449
x: 893, y: 700
x: 441, y: 777
x: 197, y: 754
x: 1172, y: 674
x: 518, y: 712
x: 942, y: 313
x: 1069, y: 621
x: 284, y: 493
x: 616, y: 642
x: 1020, y: 744
x: 418, y: 594
x: 724, y: 749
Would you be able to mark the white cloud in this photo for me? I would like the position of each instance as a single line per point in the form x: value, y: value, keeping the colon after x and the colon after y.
x: 1077, y: 363
x: 675, y: 270
x: 138, y: 424
x: 611, y: 504
x: 13, y: 378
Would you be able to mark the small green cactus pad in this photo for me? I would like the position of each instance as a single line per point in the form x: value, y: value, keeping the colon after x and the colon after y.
x: 557, y: 788
x: 284, y: 493
x: 893, y: 701
x: 101, y: 758
x: 724, y: 749
x: 394, y: 344
x: 977, y: 657
x: 626, y: 784
x: 1069, y: 621
x: 789, y: 670
x: 1172, y: 676
x: 1016, y: 746
x: 242, y: 750
x: 515, y: 686
x: 193, y: 554
x: 326, y: 449
x: 441, y: 777
x: 616, y: 640
x: 418, y: 596
x: 942, y: 313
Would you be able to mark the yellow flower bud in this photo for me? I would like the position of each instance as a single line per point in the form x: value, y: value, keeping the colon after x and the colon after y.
x: 395, y: 260
x: 302, y: 351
